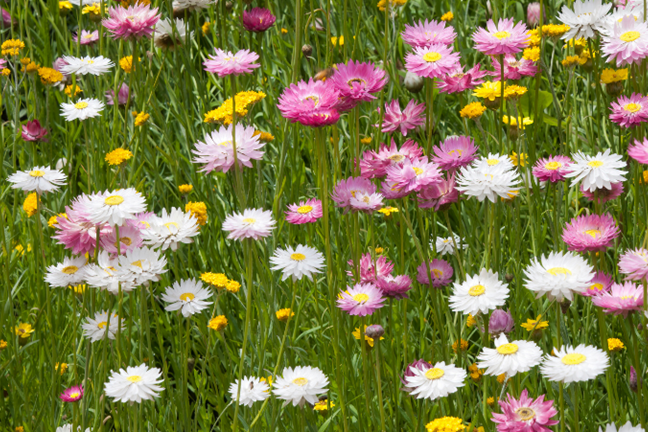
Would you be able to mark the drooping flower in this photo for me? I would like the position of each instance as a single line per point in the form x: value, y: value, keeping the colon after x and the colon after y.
x: 226, y: 63
x: 82, y: 109
x: 558, y: 275
x: 478, y: 293
x: 361, y: 299
x: 504, y: 38
x: 355, y: 83
x: 439, y: 271
x: 311, y: 103
x: 514, y: 69
x: 308, y: 211
x: 72, y: 394
x: 133, y: 22
x: 252, y: 389
x: 298, y: 262
x: 456, y: 80
x: 598, y: 171
x: 300, y: 385
x: 525, y: 414
x: 553, y: 168
x: 395, y: 286
x: 412, y: 175
x: 455, y: 152
x: 40, y: 179
x: 403, y: 121
x: 375, y: 164
x: 589, y: 233
x: 188, y: 296
x: 586, y: 18
x: 122, y: 95
x: 426, y: 33
x: 134, y: 384
x: 621, y: 299
x: 434, y: 382
x: 32, y: 131
x: 630, y: 111
x: 627, y: 43
x: 509, y: 358
x: 432, y: 61
x: 599, y: 284
x: 634, y: 263
x: 217, y: 152
x: 372, y: 271
x: 258, y: 19
x: 252, y: 223
x: 569, y: 364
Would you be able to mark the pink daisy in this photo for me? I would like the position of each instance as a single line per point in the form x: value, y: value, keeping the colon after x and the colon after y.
x: 305, y: 212
x: 426, y: 33
x: 503, y: 38
x: 525, y: 414
x: 366, y: 202
x: 252, y: 223
x: 439, y: 196
x: 130, y: 238
x: 87, y: 38
x: 226, y: 63
x: 410, y: 118
x: 59, y: 64
x: 513, y: 69
x: 603, y: 195
x: 412, y: 175
x: 217, y: 152
x: 122, y: 95
x: 133, y: 22
x: 32, y: 131
x: 355, y: 83
x: 371, y: 271
x: 590, y: 233
x: 639, y: 151
x: 455, y: 152
x: 361, y: 300
x: 601, y: 283
x: 374, y: 164
x: 627, y: 43
x: 552, y: 169
x: 457, y: 80
x: 258, y: 19
x: 346, y: 189
x: 141, y: 221
x: 621, y: 299
x: 76, y: 232
x: 634, y: 263
x: 395, y: 286
x: 432, y: 61
x: 311, y: 103
x: 629, y: 112
x: 391, y: 191
x: 440, y: 271
x: 72, y: 394
x: 319, y: 118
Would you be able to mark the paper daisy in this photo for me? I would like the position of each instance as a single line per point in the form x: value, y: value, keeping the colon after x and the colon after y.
x: 598, y: 171
x: 553, y: 168
x: 621, y: 299
x: 600, y: 283
x: 589, y: 233
x: 456, y: 80
x: 446, y: 245
x: 134, y: 22
x: 395, y: 286
x: 412, y: 175
x: 372, y: 270
x: 171, y: 229
x: 140, y: 266
x: 104, y: 274
x: 439, y: 196
x: 311, y: 103
x: 627, y: 43
x: 586, y: 18
x: 129, y: 239
x: 356, y: 82
x: 188, y: 296
x: 603, y: 195
x: 82, y: 109
x: 168, y: 37
x: 68, y: 428
x: 115, y: 207
x: 297, y: 262
x: 87, y: 37
x: 72, y: 394
x: 252, y: 390
x: 134, y: 384
x: 639, y: 151
x: 478, y: 293
x: 433, y: 382
x: 252, y: 223
x: 488, y: 178
x: 374, y: 164
x: 97, y: 328
x: 86, y: 65
x: 634, y: 263
x: 525, y: 414
x: 559, y: 275
x: 504, y: 38
x: 570, y: 364
x: 439, y: 271
x: 300, y: 385
x: 625, y: 428
x: 629, y: 111
x: 514, y: 69
x: 426, y: 33
x: 226, y: 63
x: 403, y: 121
x: 455, y: 152
x: 361, y: 300
x: 431, y: 61
x: 40, y: 179
x: 308, y: 211
x: 509, y: 358
x: 70, y: 272
x: 258, y: 19
x: 217, y: 152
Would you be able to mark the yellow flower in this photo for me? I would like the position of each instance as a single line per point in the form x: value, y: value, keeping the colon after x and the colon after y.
x: 218, y: 280
x: 53, y: 221
x: 185, y: 188
x: 489, y: 90
x: 49, y: 76
x: 644, y: 176
x: 475, y: 372
x: 218, y: 323
x: 264, y: 136
x: 126, y: 63
x: 31, y: 204
x: 3, y: 344
x: 19, y: 429
x: 532, y: 54
x: 206, y: 27
x: 370, y: 341
x: 609, y: 76
x: 570, y: 61
x: 322, y: 406
x: 284, y: 314
x: 140, y: 118
x: 198, y: 210
x: 366, y: 140
x: 388, y: 210
x: 233, y: 286
x: 5, y: 72
x: 578, y: 44
x: 118, y: 156
x: 519, y: 159
x: 21, y: 250
x: 448, y: 16
x: 78, y: 289
x: 244, y: 100
x: 127, y: 3
x: 535, y: 324
x: 30, y: 67
x: 94, y: 10
x: 501, y: 378
x: 514, y: 91
x: 460, y: 345
x: 470, y: 321
x: 284, y: 31
x: 382, y: 4
x: 68, y: 90
x: 335, y: 40
x: 24, y: 330
x: 65, y: 6
x: 12, y: 47
x: 445, y: 424
x: 615, y: 344
x: 554, y: 30
x: 472, y: 110
x: 490, y: 401
x: 534, y: 38
x: 379, y: 250
x: 63, y: 366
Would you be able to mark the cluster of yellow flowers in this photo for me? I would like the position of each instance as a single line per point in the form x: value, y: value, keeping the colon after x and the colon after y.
x: 532, y: 54
x: 244, y: 101
x: 264, y: 136
x: 554, y: 30
x: 140, y: 118
x: 53, y: 221
x: 68, y: 90
x: 446, y: 424
x: 12, y: 47
x: 126, y: 63
x: 535, y: 325
x: 284, y: 314
x: 118, y: 156
x: 493, y: 90
x: 475, y: 373
x: 448, y: 16
x: 220, y: 282
x: 615, y: 344
x: 198, y: 210
x: 609, y: 76
x: 49, y: 76
x: 218, y: 323
x: 472, y: 110
x: 382, y: 4
x: 459, y: 345
x: 185, y: 188
x: 513, y: 122
x: 30, y: 205
x: 29, y: 66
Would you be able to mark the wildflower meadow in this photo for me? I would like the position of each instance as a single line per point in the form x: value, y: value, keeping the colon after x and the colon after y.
x: 324, y: 215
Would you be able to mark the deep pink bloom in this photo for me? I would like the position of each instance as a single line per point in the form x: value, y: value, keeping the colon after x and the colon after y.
x: 439, y: 196
x: 305, y: 212
x: 639, y: 151
x: 440, y: 271
x: 633, y: 382
x: 76, y: 232
x: 361, y: 300
x: 346, y: 189
x: 456, y: 80
x: 6, y: 18
x: 504, y: 38
x: 412, y: 175
x: 311, y: 103
x: 533, y: 14
x: 72, y: 394
x: 122, y: 95
x: 590, y: 233
x: 134, y: 22
x: 258, y: 19
x: 634, y: 263
x: 130, y: 238
x: 226, y: 63
x: 418, y: 364
x: 32, y: 131
x: 601, y: 283
x: 432, y: 61
x: 371, y: 271
x: 629, y: 112
x: 410, y: 118
x: 603, y: 195
x: 616, y: 46
x: 426, y: 33
x: 87, y: 38
x: 217, y: 152
x: 391, y: 191
x: 355, y: 83
x: 395, y: 286
x: 455, y: 152
x: 514, y: 69
x: 374, y: 164
x: 621, y: 299
x: 553, y: 168
x: 525, y: 414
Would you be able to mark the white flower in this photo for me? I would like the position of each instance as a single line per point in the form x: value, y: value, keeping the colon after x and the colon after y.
x: 86, y: 65
x: 190, y: 5
x: 166, y: 36
x: 300, y: 385
x: 71, y: 271
x: 447, y: 246
x: 189, y: 296
x: 570, y: 364
x: 252, y: 223
x: 436, y: 381
x: 82, y: 2
x: 611, y: 20
x: 170, y: 229
x: 40, y: 179
x: 103, y: 274
x: 298, y: 262
x: 140, y: 266
x: 559, y: 275
x: 586, y: 18
x: 478, y: 293
x: 509, y: 358
x: 115, y: 207
x: 625, y: 428
x: 83, y: 109
x: 252, y: 390
x: 598, y: 171
x: 134, y: 384
x: 97, y: 328
x: 489, y: 178
x: 495, y: 160
x: 68, y: 428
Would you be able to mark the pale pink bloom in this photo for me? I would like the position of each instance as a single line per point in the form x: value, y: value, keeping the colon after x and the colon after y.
x: 552, y: 169
x: 601, y: 283
x: 590, y: 233
x: 627, y: 43
x: 133, y: 22
x: 621, y: 299
x: 410, y: 118
x: 122, y: 95
x: 639, y: 151
x: 355, y: 83
x: 76, y: 232
x: 373, y: 165
x: 634, y: 263
x: 504, y: 38
x: 525, y: 414
x: 258, y: 19
x: 432, y: 61
x: 361, y: 300
x: 439, y: 196
x: 371, y: 271
x: 87, y: 38
x: 366, y: 202
x: 412, y: 175
x: 533, y: 14
x: 252, y: 223
x: 440, y: 271
x: 426, y: 33
x: 455, y: 152
x: 130, y: 238
x: 456, y: 80
x: 305, y: 212
x: 514, y: 69
x: 59, y: 64
x: 141, y: 221
x: 32, y: 131
x: 395, y: 286
x: 346, y: 189
x: 630, y: 112
x: 226, y: 63
x: 603, y: 195
x: 7, y: 21
x: 217, y: 152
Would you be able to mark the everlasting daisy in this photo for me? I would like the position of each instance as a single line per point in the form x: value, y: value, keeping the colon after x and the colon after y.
x: 627, y: 43
x: 308, y: 211
x: 40, y: 179
x: 299, y: 385
x: 32, y: 131
x: 600, y: 283
x: 456, y: 80
x: 375, y: 164
x: 553, y: 168
x: 82, y: 109
x: 446, y: 245
x: 72, y: 394
x: 409, y: 372
x: 439, y: 270
x: 76, y: 231
x: 478, y: 293
x: 504, y: 38
x: 432, y: 61
x: 514, y: 69
x: 403, y: 121
x: 311, y: 103
x: 171, y: 229
x: 590, y: 233
x: 68, y: 428
x: 489, y: 178
x: 252, y: 223
x: 412, y: 175
x: 395, y: 286
x: 559, y: 275
x: 69, y: 272
x: 87, y: 37
x: 258, y: 19
x: 217, y: 152
x: 253, y: 389
x: 123, y: 95
x: 361, y: 300
x: 455, y: 152
x: 97, y: 328
x: 586, y: 18
x: 129, y: 239
x: 140, y: 266
x: 509, y: 358
x: 355, y: 83
x: 621, y: 299
x: 634, y: 263
x: 439, y: 196
x: 525, y: 414
x: 179, y: 6
x: 639, y: 151
x: 134, y: 384
x: 298, y: 262
x: 372, y: 271
x: 226, y: 63
x: 630, y: 111
x: 348, y: 189
x: 570, y: 364
x: 134, y: 22
x: 426, y: 33
x: 188, y: 296
x: 86, y: 65
x: 168, y: 37
x: 104, y: 274
x: 434, y: 382
x: 603, y: 195
x: 115, y: 207
x: 625, y: 428
x: 598, y: 171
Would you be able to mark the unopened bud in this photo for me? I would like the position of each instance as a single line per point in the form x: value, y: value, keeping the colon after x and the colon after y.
x: 375, y: 331
x: 614, y: 89
x: 500, y: 322
x: 229, y: 6
x: 191, y: 362
x: 413, y: 83
x: 508, y: 277
x: 564, y: 306
x: 634, y: 385
x: 307, y: 50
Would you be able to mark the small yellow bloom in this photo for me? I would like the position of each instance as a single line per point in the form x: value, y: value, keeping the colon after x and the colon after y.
x: 382, y: 4
x: 49, y: 76
x: 198, y: 210
x: 335, y: 40
x: 284, y: 314
x: 370, y: 341
x: 570, y: 61
x: 578, y: 44
x: 12, y: 47
x: 65, y: 6
x: 475, y: 372
x: 218, y: 323
x: 489, y: 90
x: 140, y: 118
x: 388, y: 210
x: 5, y: 72
x: 472, y: 110
x: 24, y: 330
x: 532, y: 54
x: 206, y: 27
x: 118, y: 156
x: 446, y: 424
x: 470, y: 321
x: 534, y: 38
x: 264, y: 136
x: 29, y: 66
x: 68, y: 90
x: 615, y: 344
x: 31, y: 204
x: 521, y: 159
x: 501, y: 378
x: 490, y: 401
x: 233, y: 286
x: 63, y: 367
x: 535, y: 324
x: 127, y: 3
x: 3, y: 344
x: 53, y: 221
x: 21, y: 250
x: 78, y: 289
x: 284, y: 31
x: 379, y: 250
x: 244, y: 101
x: 609, y: 76
x: 19, y: 429
x: 460, y: 345
x: 126, y: 63
x: 322, y: 406
x: 513, y: 122
x: 185, y: 188
x: 366, y: 140
x: 514, y: 91
x: 554, y: 30
x: 217, y: 280
x: 94, y: 10
x: 448, y: 16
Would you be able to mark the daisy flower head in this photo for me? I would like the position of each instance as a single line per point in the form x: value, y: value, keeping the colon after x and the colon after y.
x: 621, y: 299
x: 627, y: 43
x: 76, y: 232
x: 412, y: 175
x: 525, y: 414
x: 587, y: 18
x: 171, y: 229
x: 69, y: 272
x: 634, y: 263
x: 504, y: 38
x: 478, y: 293
x: 439, y: 271
x: 115, y: 207
x: 361, y: 299
x: 489, y: 178
x: 630, y: 111
x: 509, y: 358
x: 311, y: 103
x: 226, y: 63
x: 168, y: 37
x: 625, y: 428
x: 308, y: 211
x: 252, y: 223
x: 599, y: 171
x: 72, y: 394
x: 446, y: 245
x: 375, y: 164
x: 87, y: 37
x: 372, y: 271
x: 82, y: 109
x: 457, y: 80
x: 395, y: 287
x: 300, y: 385
x: 569, y: 364
x: 553, y: 168
x: 600, y: 283
x: 33, y: 131
x: 179, y: 6
x: 639, y: 151
x: 355, y: 83
x: 252, y: 389
x: 188, y: 296
x: 403, y: 121
x: 68, y: 428
x: 98, y: 328
x: 297, y: 262
x: 589, y: 233
x: 426, y: 33
x: 133, y: 22
x: 514, y: 69
x: 140, y: 266
x: 455, y: 152
x: 558, y: 275
x: 432, y: 61
x: 350, y: 188
x: 129, y: 239
x: 409, y: 372
x: 86, y: 65
x: 217, y: 152
x: 603, y: 195
x: 434, y: 382
x: 258, y: 19
x: 104, y: 274
x: 39, y: 179
x: 391, y: 191
x: 439, y: 196
x: 135, y: 384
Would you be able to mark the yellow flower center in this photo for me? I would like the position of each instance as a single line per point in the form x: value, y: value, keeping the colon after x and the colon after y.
x: 418, y: 170
x: 88, y: 36
x: 492, y: 162
x: 137, y: 263
x: 249, y: 221
x: 114, y: 200
x: 305, y: 209
x: 396, y: 157
x: 361, y: 298
x: 554, y: 271
x: 146, y: 224
x: 134, y: 378
x: 300, y: 381
x: 75, y: 395
x: 70, y: 269
x: 630, y: 36
x: 187, y: 297
x: 356, y: 80
x: 506, y: 349
x: 432, y: 57
x: 593, y: 232
x: 170, y: 224
x: 573, y: 359
x: 502, y: 35
x: 597, y: 286
x: 81, y: 105
x: 102, y: 324
x: 525, y: 414
x: 297, y: 257
x: 434, y: 374
x: 627, y: 297
x: 477, y: 290
x: 225, y: 143
x: 437, y: 273
x: 459, y: 151
x: 314, y: 98
x: 632, y: 107
x: 552, y: 166
x: 90, y: 61
x: 37, y: 173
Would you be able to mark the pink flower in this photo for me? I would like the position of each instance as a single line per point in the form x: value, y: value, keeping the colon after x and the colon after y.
x: 410, y: 118
x: 455, y: 152
x: 133, y: 22
x: 552, y: 169
x: 141, y: 220
x: 374, y: 164
x: 371, y: 271
x: 305, y: 212
x: 361, y: 300
x: 217, y: 152
x: 603, y: 195
x: 346, y: 189
x: 412, y: 175
x: 500, y: 322
x: 391, y: 191
x: 72, y: 394
x: 639, y: 151
x: 418, y: 364
x: 601, y: 283
x: 355, y: 83
x: 426, y: 33
x: 129, y: 238
x: 258, y: 19
x: 7, y: 21
x: 503, y: 38
x: 32, y: 131
x: 457, y: 81
x: 87, y: 38
x: 440, y: 271
x: 513, y: 69
x: 533, y: 14
x: 366, y: 202
x: 395, y: 286
x: 76, y: 232
x: 627, y: 42
x: 58, y: 64
x: 629, y: 112
x: 226, y: 63
x: 432, y: 61
x: 590, y: 233
x: 122, y: 95
x: 311, y: 103
x: 525, y: 414
x: 634, y: 263
x: 439, y: 196
x: 621, y: 299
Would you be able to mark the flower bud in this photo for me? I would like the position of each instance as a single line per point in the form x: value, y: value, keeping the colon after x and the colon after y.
x: 375, y: 332
x: 633, y: 380
x: 509, y: 277
x: 413, y: 82
x: 564, y: 306
x: 533, y: 14
x: 614, y: 89
x: 500, y: 322
x: 191, y: 362
x: 492, y: 104
x: 307, y: 50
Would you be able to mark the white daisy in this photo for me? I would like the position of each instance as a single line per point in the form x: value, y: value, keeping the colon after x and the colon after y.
x: 559, y: 275
x: 298, y: 262
x: 82, y: 109
x: 71, y: 271
x: 625, y: 428
x: 252, y: 223
x: 489, y: 178
x: 166, y: 36
x: 253, y: 389
x: 86, y: 65
x: 115, y: 207
x: 617, y: 15
x: 68, y: 428
x: 40, y: 179
x: 587, y: 18
x: 478, y: 293
x: 495, y: 160
x: 190, y: 5
x: 97, y: 328
x: 140, y: 266
x: 447, y: 246
x: 134, y: 384
x: 509, y: 358
x: 570, y: 364
x: 170, y: 229
x: 598, y: 171
x: 300, y: 385
x: 433, y: 382
x: 104, y: 274
x: 188, y: 295
x: 82, y: 2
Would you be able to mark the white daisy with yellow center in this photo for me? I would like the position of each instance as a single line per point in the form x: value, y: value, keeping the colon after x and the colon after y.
x: 104, y: 274
x: 446, y: 245
x: 435, y: 382
x: 115, y: 207
x: 140, y: 266
x: 599, y: 171
x: 86, y: 65
x: 171, y: 229
x: 134, y: 384
x: 478, y: 293
x: 71, y: 271
x: 188, y: 296
x: 298, y: 262
x: 574, y: 364
x: 102, y: 326
x: 39, y: 179
x: 300, y: 385
x: 559, y: 275
x: 251, y: 389
x: 82, y: 109
x: 509, y: 358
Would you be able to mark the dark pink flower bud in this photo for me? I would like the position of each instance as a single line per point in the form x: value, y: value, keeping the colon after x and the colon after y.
x: 258, y: 20
x: 32, y: 131
x: 500, y: 322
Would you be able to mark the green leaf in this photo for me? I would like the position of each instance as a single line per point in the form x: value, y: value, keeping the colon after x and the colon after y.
x: 527, y: 102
